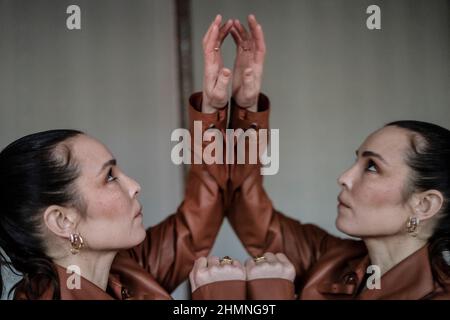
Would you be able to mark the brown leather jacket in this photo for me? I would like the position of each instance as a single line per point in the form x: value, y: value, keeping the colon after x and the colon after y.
x: 240, y: 118
x: 164, y: 259
x: 327, y: 267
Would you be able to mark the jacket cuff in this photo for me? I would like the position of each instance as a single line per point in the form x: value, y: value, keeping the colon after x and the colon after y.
x: 216, y: 120
x: 201, y: 122
x: 221, y: 290
x: 244, y: 119
x: 280, y: 289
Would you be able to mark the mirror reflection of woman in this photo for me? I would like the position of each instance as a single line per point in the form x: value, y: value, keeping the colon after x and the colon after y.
x: 395, y: 198
x: 66, y: 205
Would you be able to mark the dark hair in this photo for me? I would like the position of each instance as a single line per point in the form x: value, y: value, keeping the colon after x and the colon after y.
x: 36, y: 171
x: 429, y: 159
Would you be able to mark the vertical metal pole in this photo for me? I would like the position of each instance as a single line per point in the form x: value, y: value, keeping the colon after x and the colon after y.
x: 184, y: 48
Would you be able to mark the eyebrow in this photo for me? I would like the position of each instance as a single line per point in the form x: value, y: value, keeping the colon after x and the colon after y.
x: 366, y: 154
x: 112, y: 162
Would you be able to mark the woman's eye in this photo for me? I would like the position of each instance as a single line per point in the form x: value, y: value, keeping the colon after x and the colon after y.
x: 110, y: 176
x: 371, y: 166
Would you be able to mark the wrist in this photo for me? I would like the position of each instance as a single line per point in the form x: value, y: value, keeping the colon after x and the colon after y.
x: 207, y: 107
x: 249, y: 105
x: 253, y: 108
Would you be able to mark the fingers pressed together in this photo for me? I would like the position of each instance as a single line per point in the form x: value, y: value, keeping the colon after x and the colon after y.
x: 246, y: 76
x: 212, y: 269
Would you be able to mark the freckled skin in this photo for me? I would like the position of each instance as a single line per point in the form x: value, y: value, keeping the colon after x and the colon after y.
x: 110, y: 223
x: 376, y: 205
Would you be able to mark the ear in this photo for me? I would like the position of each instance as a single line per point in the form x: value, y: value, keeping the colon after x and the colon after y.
x: 427, y: 204
x: 61, y: 221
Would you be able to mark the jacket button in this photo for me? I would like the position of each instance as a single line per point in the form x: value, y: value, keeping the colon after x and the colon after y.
x: 254, y: 125
x: 350, y: 278
x: 125, y: 293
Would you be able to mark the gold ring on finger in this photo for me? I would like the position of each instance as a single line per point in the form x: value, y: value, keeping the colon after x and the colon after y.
x: 259, y: 259
x: 226, y: 260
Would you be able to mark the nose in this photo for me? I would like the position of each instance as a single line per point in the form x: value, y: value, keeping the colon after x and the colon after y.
x: 346, y: 179
x: 134, y: 187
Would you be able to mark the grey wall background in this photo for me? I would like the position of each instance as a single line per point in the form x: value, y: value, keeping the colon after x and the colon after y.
x: 331, y: 82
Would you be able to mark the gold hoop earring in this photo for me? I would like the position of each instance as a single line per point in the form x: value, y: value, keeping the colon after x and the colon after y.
x: 76, y: 243
x: 412, y: 225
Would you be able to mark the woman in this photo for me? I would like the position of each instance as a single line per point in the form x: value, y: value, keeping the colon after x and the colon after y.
x: 71, y: 221
x: 395, y: 198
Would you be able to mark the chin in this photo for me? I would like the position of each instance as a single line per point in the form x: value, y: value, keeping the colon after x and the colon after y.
x: 142, y: 234
x: 338, y: 224
x: 138, y: 236
x: 344, y: 225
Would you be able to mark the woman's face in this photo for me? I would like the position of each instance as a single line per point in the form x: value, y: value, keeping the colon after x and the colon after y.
x: 113, y: 219
x: 371, y: 202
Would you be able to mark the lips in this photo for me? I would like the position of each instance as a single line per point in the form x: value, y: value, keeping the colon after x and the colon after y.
x: 343, y: 202
x: 139, y: 212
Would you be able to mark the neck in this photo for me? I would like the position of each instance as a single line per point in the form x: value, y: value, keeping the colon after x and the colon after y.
x: 386, y: 252
x: 94, y: 266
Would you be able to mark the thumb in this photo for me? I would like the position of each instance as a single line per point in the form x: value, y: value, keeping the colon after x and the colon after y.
x: 249, y: 81
x: 200, y: 263
x: 192, y: 281
x: 222, y: 84
x: 249, y: 264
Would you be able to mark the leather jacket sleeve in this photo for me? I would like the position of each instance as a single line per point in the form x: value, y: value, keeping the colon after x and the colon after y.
x: 171, y: 247
x: 280, y: 289
x: 251, y: 213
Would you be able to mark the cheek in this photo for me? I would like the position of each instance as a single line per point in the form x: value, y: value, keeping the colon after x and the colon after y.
x: 377, y: 210
x: 111, y: 224
x: 379, y: 195
x: 110, y: 205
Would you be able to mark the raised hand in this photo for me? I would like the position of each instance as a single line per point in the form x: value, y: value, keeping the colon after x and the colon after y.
x: 216, y: 78
x: 249, y: 63
x: 270, y: 266
x: 211, y: 269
